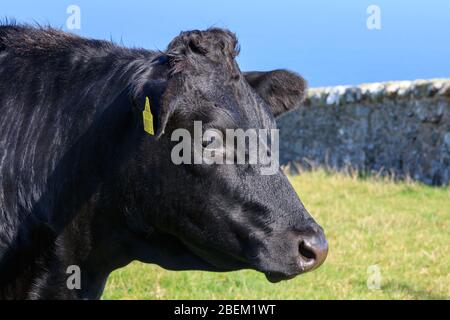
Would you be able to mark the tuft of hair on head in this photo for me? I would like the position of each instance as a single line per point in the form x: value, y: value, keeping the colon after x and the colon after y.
x: 218, y: 45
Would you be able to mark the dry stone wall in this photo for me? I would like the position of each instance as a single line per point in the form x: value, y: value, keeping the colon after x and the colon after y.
x: 399, y: 128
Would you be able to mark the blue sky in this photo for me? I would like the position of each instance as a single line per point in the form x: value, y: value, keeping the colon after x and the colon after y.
x: 327, y: 41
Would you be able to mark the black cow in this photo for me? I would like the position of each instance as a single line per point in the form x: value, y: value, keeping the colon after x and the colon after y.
x: 83, y: 184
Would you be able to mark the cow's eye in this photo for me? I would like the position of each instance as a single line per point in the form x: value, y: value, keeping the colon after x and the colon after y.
x: 212, y: 144
x: 212, y: 140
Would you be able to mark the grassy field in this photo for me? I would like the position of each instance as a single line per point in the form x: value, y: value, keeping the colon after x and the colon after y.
x: 403, y: 229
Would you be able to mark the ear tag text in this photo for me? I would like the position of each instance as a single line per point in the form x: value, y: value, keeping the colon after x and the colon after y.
x: 148, y: 118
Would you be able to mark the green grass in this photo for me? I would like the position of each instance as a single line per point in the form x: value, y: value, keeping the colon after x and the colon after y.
x: 403, y: 228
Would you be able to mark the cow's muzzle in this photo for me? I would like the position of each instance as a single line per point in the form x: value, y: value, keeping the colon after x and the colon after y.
x: 311, y: 252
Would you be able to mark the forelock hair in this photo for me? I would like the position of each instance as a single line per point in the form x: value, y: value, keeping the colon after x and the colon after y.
x: 218, y: 45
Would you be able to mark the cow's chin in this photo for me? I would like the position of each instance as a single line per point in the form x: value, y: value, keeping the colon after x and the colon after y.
x: 277, y: 277
x: 220, y: 262
x: 173, y: 254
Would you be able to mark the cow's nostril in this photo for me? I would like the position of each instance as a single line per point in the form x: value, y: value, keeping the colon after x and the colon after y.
x: 312, y: 250
x: 306, y: 252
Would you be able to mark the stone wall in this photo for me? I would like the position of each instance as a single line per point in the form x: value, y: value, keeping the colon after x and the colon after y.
x: 400, y: 128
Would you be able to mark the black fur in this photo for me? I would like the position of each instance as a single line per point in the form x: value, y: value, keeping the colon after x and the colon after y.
x: 81, y: 183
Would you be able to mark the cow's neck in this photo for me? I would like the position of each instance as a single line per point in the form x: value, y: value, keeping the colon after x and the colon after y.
x: 73, y: 222
x: 93, y: 245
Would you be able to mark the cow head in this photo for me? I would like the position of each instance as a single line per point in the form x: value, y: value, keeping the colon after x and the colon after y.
x: 217, y: 217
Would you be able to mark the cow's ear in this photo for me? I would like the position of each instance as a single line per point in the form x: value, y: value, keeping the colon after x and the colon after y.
x: 282, y: 90
x: 151, y: 106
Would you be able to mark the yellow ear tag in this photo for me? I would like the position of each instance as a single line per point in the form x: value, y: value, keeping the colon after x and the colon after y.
x: 148, y: 118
